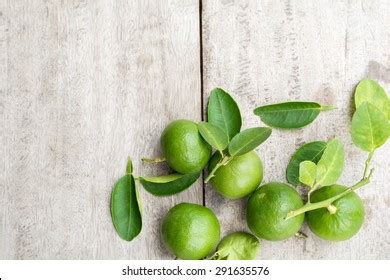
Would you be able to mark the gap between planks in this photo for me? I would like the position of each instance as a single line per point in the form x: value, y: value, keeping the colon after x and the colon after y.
x: 203, y: 112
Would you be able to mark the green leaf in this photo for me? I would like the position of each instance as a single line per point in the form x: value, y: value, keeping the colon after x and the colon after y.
x: 238, y: 246
x: 307, y: 172
x: 370, y: 91
x: 248, y: 140
x: 370, y: 127
x: 213, y: 135
x: 330, y: 166
x: 295, y: 114
x: 224, y: 112
x: 125, y: 209
x: 169, y: 184
x: 311, y: 151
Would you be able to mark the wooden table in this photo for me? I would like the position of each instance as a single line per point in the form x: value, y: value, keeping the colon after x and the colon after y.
x: 85, y: 84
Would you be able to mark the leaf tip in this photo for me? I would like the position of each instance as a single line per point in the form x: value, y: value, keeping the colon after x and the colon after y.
x: 328, y: 108
x: 129, y: 166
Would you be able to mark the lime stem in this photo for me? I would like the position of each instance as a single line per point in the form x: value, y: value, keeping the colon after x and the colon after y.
x: 328, y: 107
x: 213, y: 256
x: 325, y: 203
x: 312, y: 189
x: 300, y: 234
x: 367, y: 165
x: 332, y: 209
x: 222, y: 162
x: 153, y: 160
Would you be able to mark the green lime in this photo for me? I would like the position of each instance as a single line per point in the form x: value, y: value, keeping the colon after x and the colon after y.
x: 184, y: 148
x: 339, y: 222
x: 267, y: 209
x: 240, y: 177
x: 190, y: 231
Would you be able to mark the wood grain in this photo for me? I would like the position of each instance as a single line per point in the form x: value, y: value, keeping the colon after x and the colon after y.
x: 85, y: 84
x: 272, y: 51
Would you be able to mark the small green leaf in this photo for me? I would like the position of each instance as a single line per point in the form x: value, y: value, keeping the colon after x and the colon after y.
x: 370, y: 127
x: 238, y: 246
x: 169, y: 184
x: 307, y: 172
x: 370, y: 91
x: 330, y: 166
x: 295, y: 114
x: 222, y: 111
x: 213, y: 135
x: 248, y: 140
x: 125, y: 209
x: 311, y: 151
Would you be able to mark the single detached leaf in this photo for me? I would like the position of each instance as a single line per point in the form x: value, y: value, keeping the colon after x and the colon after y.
x: 222, y: 111
x: 330, y: 166
x: 238, y: 246
x: 214, y: 135
x: 311, y: 151
x: 248, y: 140
x: 169, y: 184
x: 125, y: 208
x: 370, y: 91
x: 307, y: 172
x: 289, y: 114
x: 370, y: 127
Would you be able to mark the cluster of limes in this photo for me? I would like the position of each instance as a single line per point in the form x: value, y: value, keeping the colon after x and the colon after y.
x: 274, y: 211
x: 192, y: 231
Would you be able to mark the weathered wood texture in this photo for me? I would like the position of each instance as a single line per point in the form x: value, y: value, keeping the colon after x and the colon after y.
x: 84, y: 84
x: 272, y: 51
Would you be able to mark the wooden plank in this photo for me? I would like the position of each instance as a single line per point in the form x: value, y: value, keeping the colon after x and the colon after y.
x: 271, y: 51
x: 85, y: 84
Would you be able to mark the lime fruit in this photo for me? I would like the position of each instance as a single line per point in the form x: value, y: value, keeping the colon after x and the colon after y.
x: 267, y: 209
x: 339, y: 222
x: 184, y: 148
x: 190, y: 231
x: 239, y: 177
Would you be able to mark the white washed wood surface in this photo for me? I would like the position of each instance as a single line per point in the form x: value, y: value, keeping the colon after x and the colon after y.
x: 272, y: 51
x: 84, y: 84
